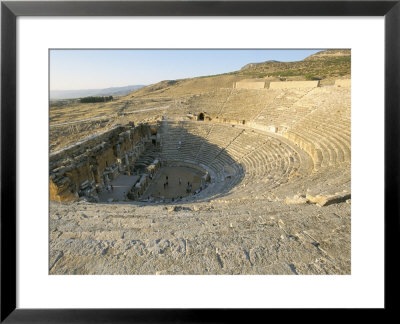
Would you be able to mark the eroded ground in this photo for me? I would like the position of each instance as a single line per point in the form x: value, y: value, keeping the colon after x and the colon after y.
x: 252, y: 237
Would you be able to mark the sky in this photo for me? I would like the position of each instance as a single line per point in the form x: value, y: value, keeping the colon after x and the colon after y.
x: 97, y: 69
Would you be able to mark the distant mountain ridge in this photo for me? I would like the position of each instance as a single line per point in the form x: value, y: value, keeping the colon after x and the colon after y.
x: 113, y: 91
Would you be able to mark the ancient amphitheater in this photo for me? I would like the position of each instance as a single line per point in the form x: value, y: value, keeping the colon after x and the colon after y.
x: 272, y: 196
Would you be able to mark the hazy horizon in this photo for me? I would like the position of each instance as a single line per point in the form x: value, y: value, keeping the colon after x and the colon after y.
x: 100, y: 69
x: 124, y: 86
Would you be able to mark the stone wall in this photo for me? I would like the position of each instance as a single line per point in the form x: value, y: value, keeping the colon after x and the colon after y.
x: 143, y: 182
x: 343, y: 83
x: 249, y: 85
x: 293, y: 84
x: 88, y: 166
x: 266, y: 128
x: 217, y: 119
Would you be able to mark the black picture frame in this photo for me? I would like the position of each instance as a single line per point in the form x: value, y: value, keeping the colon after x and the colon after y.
x: 10, y: 10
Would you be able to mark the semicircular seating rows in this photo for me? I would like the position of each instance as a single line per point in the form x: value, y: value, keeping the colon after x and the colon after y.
x: 312, y: 134
x: 235, y: 155
x: 318, y: 120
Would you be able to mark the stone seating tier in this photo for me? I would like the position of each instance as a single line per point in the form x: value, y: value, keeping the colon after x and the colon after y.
x: 250, y: 156
x: 314, y: 124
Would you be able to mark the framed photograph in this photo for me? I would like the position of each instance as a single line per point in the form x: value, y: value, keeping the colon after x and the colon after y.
x: 160, y: 158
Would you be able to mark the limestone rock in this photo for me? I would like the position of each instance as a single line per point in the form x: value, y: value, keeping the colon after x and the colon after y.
x: 296, y: 200
x: 325, y: 200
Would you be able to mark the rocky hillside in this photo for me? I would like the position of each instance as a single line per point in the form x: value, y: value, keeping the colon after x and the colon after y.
x: 322, y: 65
